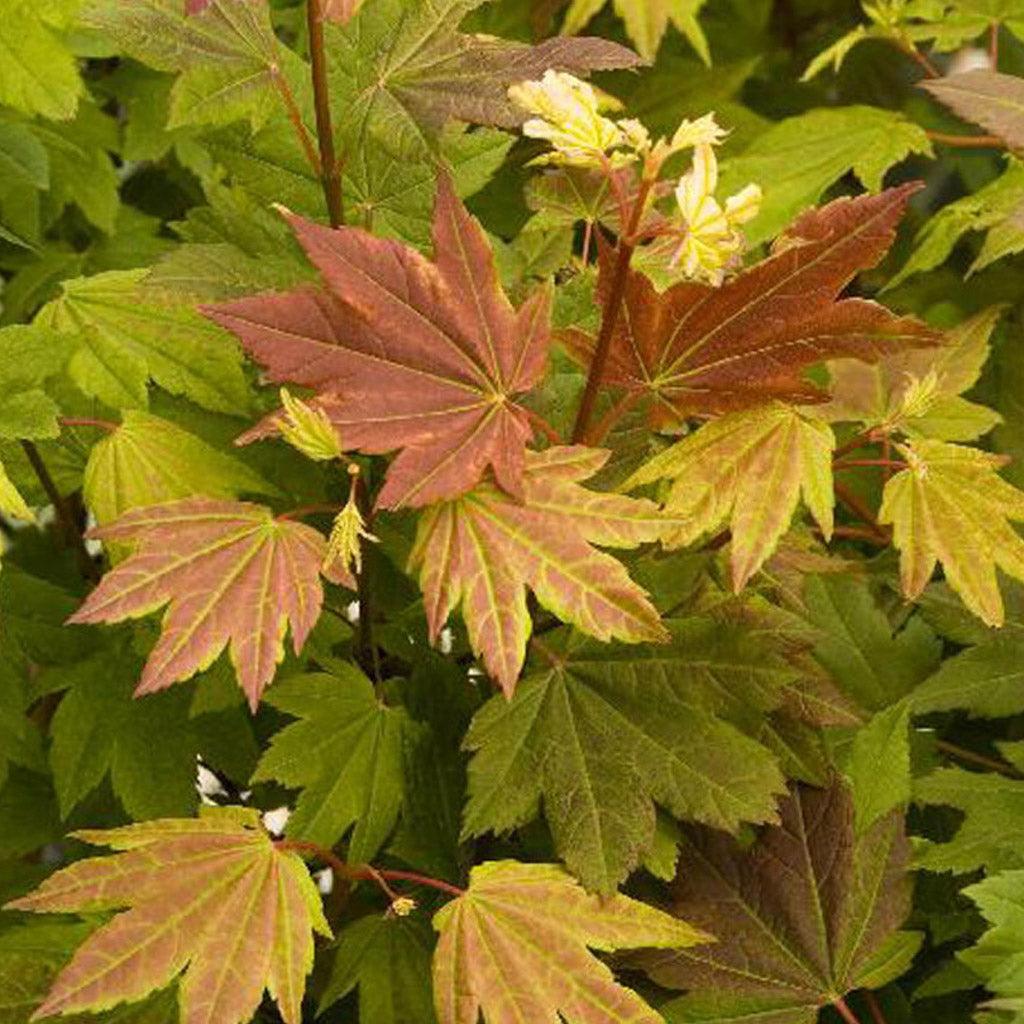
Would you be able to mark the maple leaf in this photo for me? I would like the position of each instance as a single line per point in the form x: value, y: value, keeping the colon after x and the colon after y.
x: 988, y: 98
x: 697, y: 349
x: 605, y: 732
x: 212, y: 897
x: 749, y: 470
x: 951, y: 507
x: 804, y: 916
x: 515, y: 945
x: 346, y: 751
x: 484, y: 549
x: 232, y: 574
x: 426, y: 357
x: 646, y: 22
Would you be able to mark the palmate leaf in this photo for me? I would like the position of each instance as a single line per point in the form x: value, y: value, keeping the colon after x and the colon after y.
x: 700, y: 349
x: 646, y: 22
x: 606, y: 732
x: 212, y: 897
x: 233, y: 576
x: 749, y: 471
x: 346, y: 754
x: 484, y: 549
x: 225, y: 50
x: 950, y: 507
x: 998, y: 956
x: 805, y: 915
x: 426, y: 357
x: 992, y: 100
x: 515, y: 946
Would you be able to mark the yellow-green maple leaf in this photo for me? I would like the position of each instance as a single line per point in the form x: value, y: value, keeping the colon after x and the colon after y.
x: 515, y: 945
x: 950, y: 507
x: 11, y: 502
x: 646, y: 22
x: 747, y: 470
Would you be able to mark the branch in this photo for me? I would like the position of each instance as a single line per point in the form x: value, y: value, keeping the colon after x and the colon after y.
x: 860, y: 510
x: 963, y: 754
x: 310, y: 510
x: 72, y: 535
x: 367, y: 872
x: 845, y: 1012
x: 993, y: 45
x: 330, y: 169
x: 874, y: 1008
x: 613, y: 309
x: 967, y: 141
x: 916, y: 55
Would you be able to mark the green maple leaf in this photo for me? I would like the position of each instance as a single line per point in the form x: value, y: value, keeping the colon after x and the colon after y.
x: 345, y: 752
x: 871, y: 661
x: 805, y: 915
x: 748, y: 471
x: 646, y: 22
x: 148, y: 460
x: 878, y: 765
x: 992, y: 832
x: 388, y: 958
x: 127, y: 335
x: 604, y: 733
x: 998, y: 956
x: 29, y: 357
x: 920, y: 393
x: 229, y: 60
x: 543, y: 923
x: 951, y: 507
x: 796, y: 160
x: 38, y: 73
x: 172, y: 879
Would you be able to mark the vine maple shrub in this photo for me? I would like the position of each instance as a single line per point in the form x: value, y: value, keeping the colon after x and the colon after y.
x: 506, y: 525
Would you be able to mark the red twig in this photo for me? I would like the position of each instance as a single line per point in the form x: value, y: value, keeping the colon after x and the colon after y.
x: 310, y: 510
x: 860, y: 510
x: 855, y: 463
x: 330, y: 169
x: 858, y: 533
x: 845, y: 1012
x: 971, y: 757
x: 367, y: 872
x: 993, y: 45
x: 873, y: 1008
x: 588, y: 237
x: 916, y: 55
x: 967, y: 141
x: 613, y: 309
x: 855, y: 444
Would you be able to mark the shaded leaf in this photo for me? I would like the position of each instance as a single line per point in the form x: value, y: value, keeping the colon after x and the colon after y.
x: 212, y: 897
x: 515, y: 947
x: 802, y: 915
x: 646, y: 22
x: 748, y: 471
x: 233, y: 575
x: 345, y: 752
x: 483, y: 550
x: 605, y: 733
x: 987, y: 681
x: 700, y: 349
x: 878, y: 766
x: 408, y: 354
x: 988, y: 98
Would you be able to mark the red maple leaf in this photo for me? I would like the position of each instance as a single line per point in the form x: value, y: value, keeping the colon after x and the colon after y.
x: 696, y: 349
x: 407, y: 353
x: 233, y: 576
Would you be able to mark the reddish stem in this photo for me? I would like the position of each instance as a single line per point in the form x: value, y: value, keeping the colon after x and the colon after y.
x: 366, y: 872
x: 858, y: 533
x: 916, y: 55
x: 330, y: 169
x: 967, y: 141
x: 588, y: 237
x: 543, y: 426
x: 851, y: 500
x: 855, y: 463
x: 873, y: 1007
x: 613, y: 309
x: 845, y: 1012
x: 310, y: 510
x: 993, y: 45
x: 86, y: 421
x: 862, y: 440
x: 963, y: 754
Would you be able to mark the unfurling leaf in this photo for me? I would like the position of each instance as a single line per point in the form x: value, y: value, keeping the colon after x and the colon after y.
x: 701, y: 349
x: 803, y: 916
x: 233, y: 576
x: 211, y: 897
x: 605, y: 733
x: 516, y: 946
x: 426, y: 357
x: 484, y: 549
x: 989, y: 99
x: 950, y: 507
x: 748, y: 471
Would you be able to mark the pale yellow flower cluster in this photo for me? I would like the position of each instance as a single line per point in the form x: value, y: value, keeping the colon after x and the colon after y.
x: 344, y: 547
x: 711, y: 239
x: 568, y: 114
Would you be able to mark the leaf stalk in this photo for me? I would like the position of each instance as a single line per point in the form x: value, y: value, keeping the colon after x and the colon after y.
x: 330, y: 168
